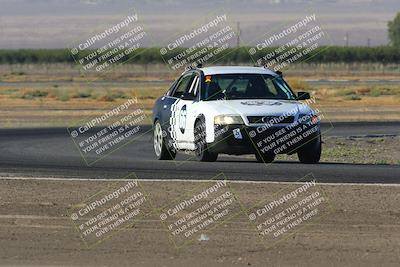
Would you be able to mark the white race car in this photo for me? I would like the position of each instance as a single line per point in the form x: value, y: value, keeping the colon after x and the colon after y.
x: 235, y: 110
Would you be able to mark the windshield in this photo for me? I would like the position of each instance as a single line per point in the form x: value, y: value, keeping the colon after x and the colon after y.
x: 245, y: 86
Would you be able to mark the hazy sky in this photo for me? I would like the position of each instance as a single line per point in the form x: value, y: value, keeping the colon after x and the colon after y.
x: 61, y: 23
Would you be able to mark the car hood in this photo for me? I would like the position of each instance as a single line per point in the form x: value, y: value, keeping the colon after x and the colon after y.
x: 259, y: 107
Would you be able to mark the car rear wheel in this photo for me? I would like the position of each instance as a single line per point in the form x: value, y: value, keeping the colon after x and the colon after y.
x: 265, y: 158
x: 202, y: 151
x: 160, y: 147
x: 310, y: 153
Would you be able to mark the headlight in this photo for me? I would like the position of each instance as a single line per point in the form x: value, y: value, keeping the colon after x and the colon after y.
x: 228, y: 119
x: 308, y: 118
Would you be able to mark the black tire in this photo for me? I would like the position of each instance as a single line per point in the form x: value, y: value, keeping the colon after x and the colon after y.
x: 160, y: 146
x: 265, y: 158
x: 202, y: 151
x: 310, y: 153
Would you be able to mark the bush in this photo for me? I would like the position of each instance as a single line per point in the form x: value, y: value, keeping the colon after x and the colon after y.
x: 63, y: 96
x: 118, y: 95
x: 83, y: 94
x: 105, y: 98
x: 34, y: 94
x: 353, y: 97
x: 375, y: 92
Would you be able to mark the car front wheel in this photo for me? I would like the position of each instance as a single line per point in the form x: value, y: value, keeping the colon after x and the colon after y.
x: 202, y: 151
x: 310, y: 153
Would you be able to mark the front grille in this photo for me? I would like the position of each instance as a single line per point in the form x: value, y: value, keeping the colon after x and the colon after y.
x: 270, y: 119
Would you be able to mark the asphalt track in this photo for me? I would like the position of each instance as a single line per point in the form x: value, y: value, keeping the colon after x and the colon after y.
x: 50, y: 152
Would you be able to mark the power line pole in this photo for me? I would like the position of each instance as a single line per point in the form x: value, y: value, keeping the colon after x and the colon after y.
x: 346, y: 39
x: 238, y: 31
x: 369, y: 42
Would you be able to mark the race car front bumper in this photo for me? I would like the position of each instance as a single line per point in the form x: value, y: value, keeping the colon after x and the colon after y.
x: 277, y: 139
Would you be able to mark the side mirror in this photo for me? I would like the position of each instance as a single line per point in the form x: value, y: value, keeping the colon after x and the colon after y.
x: 303, y: 96
x: 187, y: 96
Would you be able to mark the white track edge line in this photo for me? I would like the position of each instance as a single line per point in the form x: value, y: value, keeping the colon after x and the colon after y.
x: 192, y: 181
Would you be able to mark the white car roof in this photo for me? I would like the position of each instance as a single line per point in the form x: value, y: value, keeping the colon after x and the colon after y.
x: 236, y: 69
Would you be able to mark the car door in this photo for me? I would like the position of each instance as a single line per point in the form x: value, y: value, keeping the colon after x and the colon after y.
x: 188, y: 107
x: 179, y: 109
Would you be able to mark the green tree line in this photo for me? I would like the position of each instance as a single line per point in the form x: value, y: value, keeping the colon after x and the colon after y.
x: 332, y: 54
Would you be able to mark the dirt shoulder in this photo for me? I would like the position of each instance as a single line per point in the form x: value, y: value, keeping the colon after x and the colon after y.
x: 358, y: 226
x: 358, y: 150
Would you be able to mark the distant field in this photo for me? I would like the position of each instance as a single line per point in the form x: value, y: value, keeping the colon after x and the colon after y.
x: 33, y: 95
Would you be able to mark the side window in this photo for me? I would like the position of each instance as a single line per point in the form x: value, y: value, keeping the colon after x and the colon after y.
x: 182, y: 85
x: 171, y: 88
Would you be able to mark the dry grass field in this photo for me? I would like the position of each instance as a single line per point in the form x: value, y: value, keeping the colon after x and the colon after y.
x: 59, y: 94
